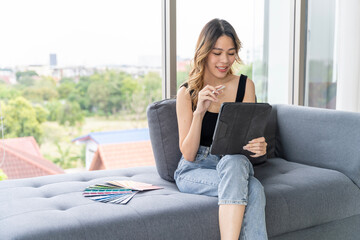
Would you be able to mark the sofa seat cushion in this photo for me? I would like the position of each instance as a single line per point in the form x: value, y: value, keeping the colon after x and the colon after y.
x: 300, y: 196
x: 53, y: 207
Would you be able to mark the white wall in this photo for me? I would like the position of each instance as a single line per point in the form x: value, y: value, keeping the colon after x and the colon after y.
x: 348, y: 52
x: 91, y: 148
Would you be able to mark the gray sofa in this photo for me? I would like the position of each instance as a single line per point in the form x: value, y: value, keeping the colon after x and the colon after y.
x: 311, y: 179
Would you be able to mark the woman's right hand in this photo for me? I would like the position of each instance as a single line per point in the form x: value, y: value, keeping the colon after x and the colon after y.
x: 206, y: 96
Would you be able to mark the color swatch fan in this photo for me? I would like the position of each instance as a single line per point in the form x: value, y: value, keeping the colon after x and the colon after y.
x: 119, y: 192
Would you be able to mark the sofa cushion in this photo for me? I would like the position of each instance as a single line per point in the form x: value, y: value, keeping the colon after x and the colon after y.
x: 320, y: 137
x: 53, y: 207
x: 342, y: 229
x: 300, y: 196
x: 164, y: 137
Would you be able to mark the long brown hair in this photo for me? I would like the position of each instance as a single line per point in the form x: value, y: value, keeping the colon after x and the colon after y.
x: 206, y: 42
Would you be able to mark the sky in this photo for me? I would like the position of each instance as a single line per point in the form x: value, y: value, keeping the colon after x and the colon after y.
x: 107, y: 32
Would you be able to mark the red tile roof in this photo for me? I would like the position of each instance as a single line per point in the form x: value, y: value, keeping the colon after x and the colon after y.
x: 123, y: 155
x: 23, y: 159
x: 25, y: 144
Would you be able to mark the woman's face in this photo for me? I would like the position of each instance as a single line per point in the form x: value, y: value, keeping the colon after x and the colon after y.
x: 220, y: 58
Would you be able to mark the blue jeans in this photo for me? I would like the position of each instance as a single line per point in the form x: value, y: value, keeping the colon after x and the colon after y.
x: 231, y: 179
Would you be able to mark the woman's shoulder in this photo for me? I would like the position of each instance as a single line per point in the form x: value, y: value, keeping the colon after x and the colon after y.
x: 245, y: 77
x: 183, y: 93
x: 249, y: 91
x: 184, y: 89
x: 250, y: 82
x: 234, y: 77
x: 183, y: 100
x: 185, y: 84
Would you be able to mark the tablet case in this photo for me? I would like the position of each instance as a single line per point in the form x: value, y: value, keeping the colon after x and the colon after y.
x: 237, y: 124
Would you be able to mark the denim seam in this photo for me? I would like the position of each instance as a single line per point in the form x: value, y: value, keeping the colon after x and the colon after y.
x: 244, y: 232
x: 230, y: 201
x: 194, y: 181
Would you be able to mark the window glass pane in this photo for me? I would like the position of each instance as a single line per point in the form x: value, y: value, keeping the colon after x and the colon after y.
x: 263, y: 28
x: 71, y: 68
x: 273, y: 48
x: 320, y: 82
x: 190, y: 21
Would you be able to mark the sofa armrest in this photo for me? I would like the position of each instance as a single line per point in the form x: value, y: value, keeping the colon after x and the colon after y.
x: 164, y: 136
x: 321, y: 137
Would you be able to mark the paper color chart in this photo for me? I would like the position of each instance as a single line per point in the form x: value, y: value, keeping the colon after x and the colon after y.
x: 119, y: 192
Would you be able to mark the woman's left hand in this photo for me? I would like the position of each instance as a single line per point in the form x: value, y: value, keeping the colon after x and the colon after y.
x: 257, y: 146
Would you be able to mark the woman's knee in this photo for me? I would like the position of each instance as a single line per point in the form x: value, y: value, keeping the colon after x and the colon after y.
x: 238, y: 163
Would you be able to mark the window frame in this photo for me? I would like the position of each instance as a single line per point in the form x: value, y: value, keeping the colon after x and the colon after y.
x: 168, y: 48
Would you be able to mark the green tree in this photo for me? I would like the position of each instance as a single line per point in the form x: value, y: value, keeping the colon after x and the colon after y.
x: 67, y: 80
x: 54, y: 110
x: 41, y: 113
x: 80, y: 94
x: 130, y: 91
x: 66, y: 160
x: 65, y: 89
x: 20, y: 119
x: 20, y: 74
x: 40, y: 94
x: 46, y: 81
x: 103, y: 93
x: 43, y: 89
x: 70, y: 114
x: 116, y: 98
x: 26, y: 78
x: 152, y: 87
x: 8, y: 92
x: 26, y: 81
x: 98, y: 93
x: 118, y: 85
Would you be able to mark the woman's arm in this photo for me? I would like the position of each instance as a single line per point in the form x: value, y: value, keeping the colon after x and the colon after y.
x: 249, y: 96
x: 190, y: 122
x: 189, y: 125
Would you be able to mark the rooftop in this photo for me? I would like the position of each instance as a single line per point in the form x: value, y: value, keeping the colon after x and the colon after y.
x: 121, y: 136
x: 23, y: 159
x: 123, y: 155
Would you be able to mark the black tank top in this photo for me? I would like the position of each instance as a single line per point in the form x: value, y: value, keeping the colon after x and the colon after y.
x: 210, y: 118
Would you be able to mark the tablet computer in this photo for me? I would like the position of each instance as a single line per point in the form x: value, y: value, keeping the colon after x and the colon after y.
x: 237, y: 124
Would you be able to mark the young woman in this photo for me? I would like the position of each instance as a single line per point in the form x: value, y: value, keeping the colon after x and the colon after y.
x: 231, y: 178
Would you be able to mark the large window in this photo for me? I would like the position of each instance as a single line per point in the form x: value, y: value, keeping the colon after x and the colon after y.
x: 71, y: 68
x: 320, y: 81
